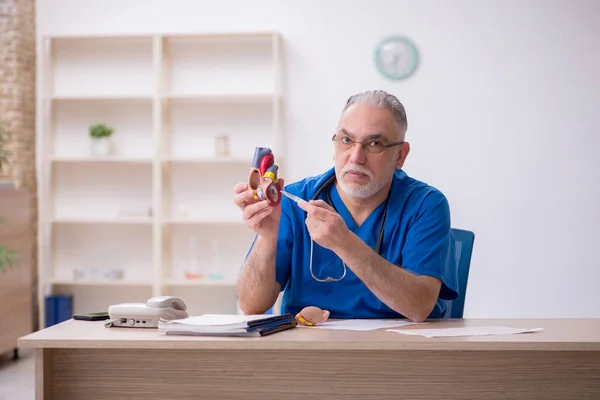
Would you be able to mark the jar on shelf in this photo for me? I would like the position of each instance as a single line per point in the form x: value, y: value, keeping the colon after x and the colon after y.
x: 222, y: 145
x: 216, y: 274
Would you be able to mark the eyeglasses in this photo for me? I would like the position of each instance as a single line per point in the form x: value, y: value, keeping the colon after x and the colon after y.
x: 375, y: 146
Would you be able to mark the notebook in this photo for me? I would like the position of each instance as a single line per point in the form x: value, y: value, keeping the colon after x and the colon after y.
x: 254, y: 332
x: 229, y: 325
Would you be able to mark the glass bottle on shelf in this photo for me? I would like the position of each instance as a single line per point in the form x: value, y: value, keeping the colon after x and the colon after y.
x: 193, y: 271
x: 216, y: 274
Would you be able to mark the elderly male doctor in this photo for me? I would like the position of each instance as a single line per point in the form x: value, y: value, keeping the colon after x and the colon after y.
x: 370, y: 242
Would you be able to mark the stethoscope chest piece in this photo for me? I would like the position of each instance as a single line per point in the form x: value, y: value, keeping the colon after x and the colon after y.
x: 324, y: 188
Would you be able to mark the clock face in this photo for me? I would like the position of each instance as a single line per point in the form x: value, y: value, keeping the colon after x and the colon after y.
x: 396, y: 58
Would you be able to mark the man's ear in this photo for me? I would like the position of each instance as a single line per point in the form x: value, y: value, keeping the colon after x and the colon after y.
x: 402, y: 154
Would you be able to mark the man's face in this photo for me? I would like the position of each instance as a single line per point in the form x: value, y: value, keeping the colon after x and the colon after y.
x: 362, y: 173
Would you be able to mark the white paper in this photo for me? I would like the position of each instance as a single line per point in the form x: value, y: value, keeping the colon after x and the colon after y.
x: 217, y: 320
x: 362, y: 324
x: 468, y: 331
x: 211, y: 323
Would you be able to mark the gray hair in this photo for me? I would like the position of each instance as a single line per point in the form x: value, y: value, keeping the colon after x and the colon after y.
x: 380, y: 98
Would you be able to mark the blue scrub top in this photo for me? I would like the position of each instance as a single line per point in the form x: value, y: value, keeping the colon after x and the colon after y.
x: 417, y: 237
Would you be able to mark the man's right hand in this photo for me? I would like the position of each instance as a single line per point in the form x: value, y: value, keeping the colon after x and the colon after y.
x: 257, y: 214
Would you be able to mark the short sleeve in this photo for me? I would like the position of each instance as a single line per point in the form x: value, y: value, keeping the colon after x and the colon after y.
x: 430, y: 248
x: 283, y: 262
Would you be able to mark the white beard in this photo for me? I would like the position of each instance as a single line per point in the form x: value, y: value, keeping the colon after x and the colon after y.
x: 361, y: 191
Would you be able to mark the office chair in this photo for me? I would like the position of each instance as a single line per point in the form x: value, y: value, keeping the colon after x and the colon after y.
x: 464, y: 250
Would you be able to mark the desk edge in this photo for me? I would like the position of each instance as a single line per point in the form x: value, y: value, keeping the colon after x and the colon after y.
x: 258, y: 344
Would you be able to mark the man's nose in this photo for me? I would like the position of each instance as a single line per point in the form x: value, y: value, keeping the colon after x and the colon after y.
x: 357, y: 154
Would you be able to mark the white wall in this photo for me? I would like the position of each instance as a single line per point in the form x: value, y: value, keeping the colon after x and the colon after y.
x: 502, y: 117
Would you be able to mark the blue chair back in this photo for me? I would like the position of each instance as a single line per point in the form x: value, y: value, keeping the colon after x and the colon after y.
x: 464, y: 249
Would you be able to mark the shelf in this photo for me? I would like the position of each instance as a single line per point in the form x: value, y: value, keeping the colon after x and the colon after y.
x: 214, y: 248
x: 202, y: 282
x: 219, y: 65
x: 226, y: 160
x: 228, y: 215
x: 131, y: 121
x: 108, y: 97
x: 102, y: 248
x: 194, y: 129
x: 206, y: 221
x: 94, y: 193
x: 71, y: 282
x: 264, y: 37
x: 248, y: 98
x: 118, y: 226
x: 105, y: 221
x: 92, y: 159
x: 208, y: 199
x: 211, y: 160
x: 94, y: 67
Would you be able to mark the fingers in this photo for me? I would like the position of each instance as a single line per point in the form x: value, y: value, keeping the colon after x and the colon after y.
x: 240, y: 187
x: 319, y: 230
x: 310, y: 226
x: 318, y: 211
x: 256, y: 220
x: 243, y: 195
x: 322, y: 204
x: 305, y: 206
x: 257, y: 209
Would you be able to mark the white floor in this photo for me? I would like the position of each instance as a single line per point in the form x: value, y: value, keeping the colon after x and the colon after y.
x: 17, y: 381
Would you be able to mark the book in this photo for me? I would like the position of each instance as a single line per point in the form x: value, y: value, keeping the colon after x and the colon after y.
x: 254, y: 332
x: 228, y: 325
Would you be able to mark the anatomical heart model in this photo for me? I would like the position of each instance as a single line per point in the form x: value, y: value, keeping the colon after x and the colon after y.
x: 312, y: 316
x: 263, y: 176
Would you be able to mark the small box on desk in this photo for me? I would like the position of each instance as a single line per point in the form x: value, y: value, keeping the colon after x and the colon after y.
x: 58, y: 309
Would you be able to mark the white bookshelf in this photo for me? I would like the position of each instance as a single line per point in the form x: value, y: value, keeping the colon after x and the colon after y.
x: 126, y: 226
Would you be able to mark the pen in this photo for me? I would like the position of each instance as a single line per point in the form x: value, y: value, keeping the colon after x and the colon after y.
x: 293, y: 197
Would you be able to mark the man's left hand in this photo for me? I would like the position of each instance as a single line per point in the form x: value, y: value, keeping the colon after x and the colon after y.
x: 325, y: 225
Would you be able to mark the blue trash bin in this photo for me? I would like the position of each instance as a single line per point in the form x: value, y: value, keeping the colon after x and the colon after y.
x: 58, y: 309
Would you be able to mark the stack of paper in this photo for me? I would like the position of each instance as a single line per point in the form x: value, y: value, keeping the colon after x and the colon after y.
x: 228, y: 325
x: 467, y: 331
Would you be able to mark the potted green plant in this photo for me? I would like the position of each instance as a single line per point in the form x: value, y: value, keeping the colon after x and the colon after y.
x: 101, y: 136
x: 7, y: 257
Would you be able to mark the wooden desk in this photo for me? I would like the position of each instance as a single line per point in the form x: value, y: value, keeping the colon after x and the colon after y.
x: 85, y: 360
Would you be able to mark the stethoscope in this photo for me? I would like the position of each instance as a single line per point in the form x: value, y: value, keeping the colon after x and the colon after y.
x: 323, y: 187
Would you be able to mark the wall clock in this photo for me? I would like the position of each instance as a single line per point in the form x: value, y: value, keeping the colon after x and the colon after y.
x: 396, y: 57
